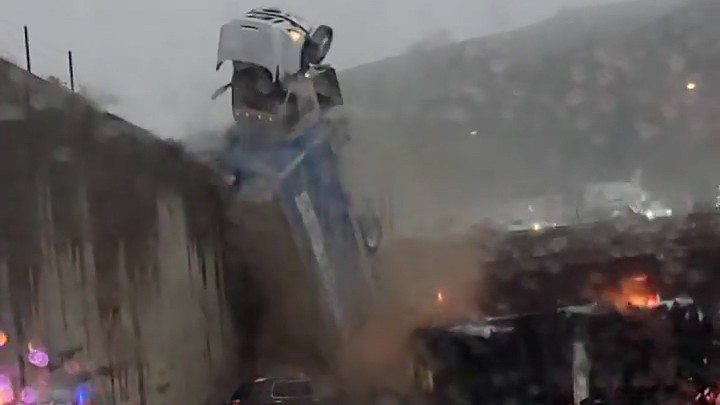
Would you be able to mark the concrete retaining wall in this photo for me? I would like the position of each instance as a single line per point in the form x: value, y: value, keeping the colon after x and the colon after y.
x: 110, y: 254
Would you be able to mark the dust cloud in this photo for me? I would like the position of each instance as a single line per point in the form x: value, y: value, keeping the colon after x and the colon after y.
x: 423, y: 282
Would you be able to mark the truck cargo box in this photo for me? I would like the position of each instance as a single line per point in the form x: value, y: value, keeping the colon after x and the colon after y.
x: 294, y: 220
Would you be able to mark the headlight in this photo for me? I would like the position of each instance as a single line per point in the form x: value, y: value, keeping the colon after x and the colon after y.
x: 537, y: 226
x: 652, y: 214
x: 295, y: 35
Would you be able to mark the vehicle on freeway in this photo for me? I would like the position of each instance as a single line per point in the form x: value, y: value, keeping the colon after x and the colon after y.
x: 275, y: 390
x: 654, y: 353
x: 521, y: 225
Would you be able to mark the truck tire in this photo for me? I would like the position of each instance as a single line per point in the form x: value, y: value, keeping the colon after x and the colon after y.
x: 316, y: 46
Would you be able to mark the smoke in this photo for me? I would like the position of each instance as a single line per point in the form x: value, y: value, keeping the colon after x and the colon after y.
x: 411, y: 274
x: 280, y: 322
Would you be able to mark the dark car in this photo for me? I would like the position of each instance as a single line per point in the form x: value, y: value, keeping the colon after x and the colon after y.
x: 290, y: 391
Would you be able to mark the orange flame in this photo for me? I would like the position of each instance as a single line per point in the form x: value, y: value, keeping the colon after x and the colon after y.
x: 639, y: 300
x: 635, y: 292
x: 440, y: 297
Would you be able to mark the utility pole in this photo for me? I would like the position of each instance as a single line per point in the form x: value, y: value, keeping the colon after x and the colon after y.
x: 27, y: 49
x: 71, y: 71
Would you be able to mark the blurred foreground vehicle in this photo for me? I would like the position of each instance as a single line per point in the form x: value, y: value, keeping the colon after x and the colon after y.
x: 663, y: 353
x: 266, y: 391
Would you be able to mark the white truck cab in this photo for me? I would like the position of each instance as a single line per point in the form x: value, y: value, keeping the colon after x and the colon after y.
x: 282, y: 43
x: 277, y: 76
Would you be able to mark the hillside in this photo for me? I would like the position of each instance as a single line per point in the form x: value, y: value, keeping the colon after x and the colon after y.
x: 402, y: 83
x: 593, y: 93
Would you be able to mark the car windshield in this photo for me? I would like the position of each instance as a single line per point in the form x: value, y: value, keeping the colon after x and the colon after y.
x: 292, y: 389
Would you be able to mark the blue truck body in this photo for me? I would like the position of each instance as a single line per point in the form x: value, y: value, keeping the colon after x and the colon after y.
x: 291, y: 191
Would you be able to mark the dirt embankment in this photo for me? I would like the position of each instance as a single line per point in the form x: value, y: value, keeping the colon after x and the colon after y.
x: 422, y: 282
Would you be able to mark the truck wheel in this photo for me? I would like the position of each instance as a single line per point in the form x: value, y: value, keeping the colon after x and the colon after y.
x: 317, y: 46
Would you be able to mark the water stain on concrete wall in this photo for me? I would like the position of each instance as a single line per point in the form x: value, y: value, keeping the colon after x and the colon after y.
x: 110, y: 253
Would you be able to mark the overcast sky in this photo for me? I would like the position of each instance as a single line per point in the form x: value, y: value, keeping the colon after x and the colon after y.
x: 157, y: 56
